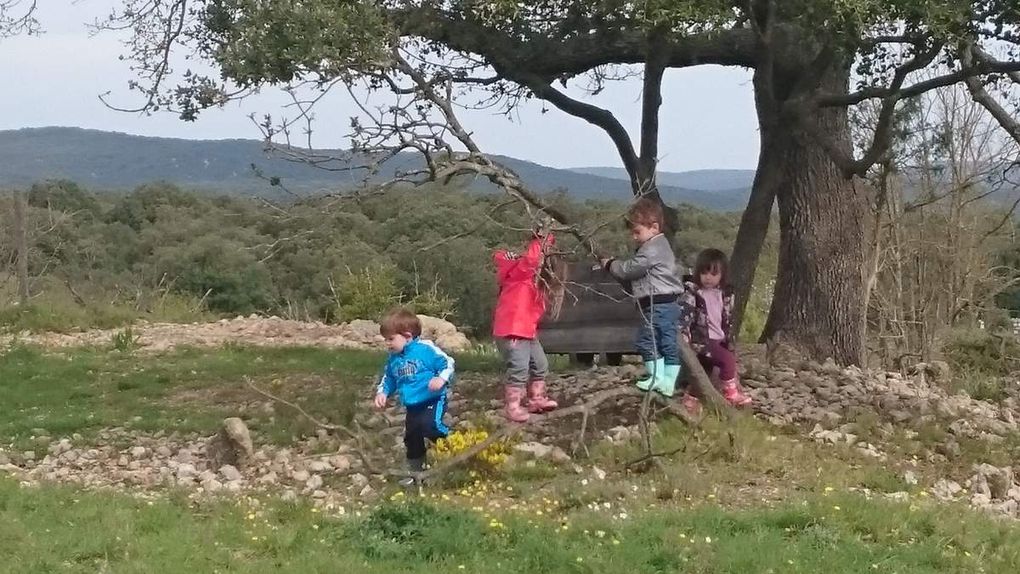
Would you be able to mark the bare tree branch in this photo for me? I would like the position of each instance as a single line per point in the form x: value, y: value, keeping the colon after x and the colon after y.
x: 18, y: 17
x: 969, y: 56
x: 979, y: 68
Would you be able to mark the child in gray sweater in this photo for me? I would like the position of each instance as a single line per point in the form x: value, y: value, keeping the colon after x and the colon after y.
x: 650, y: 276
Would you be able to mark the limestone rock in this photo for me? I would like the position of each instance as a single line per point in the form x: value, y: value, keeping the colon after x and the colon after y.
x: 534, y: 449
x: 993, y: 481
x: 231, y: 445
x: 230, y: 473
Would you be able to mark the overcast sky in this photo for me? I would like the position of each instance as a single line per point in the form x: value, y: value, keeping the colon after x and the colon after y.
x: 55, y: 79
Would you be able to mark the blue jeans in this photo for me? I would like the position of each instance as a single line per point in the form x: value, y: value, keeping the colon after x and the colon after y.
x: 657, y: 336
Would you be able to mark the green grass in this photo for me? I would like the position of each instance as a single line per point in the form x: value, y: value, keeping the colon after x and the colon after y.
x: 187, y: 390
x: 54, y: 308
x: 53, y: 529
x: 742, y: 496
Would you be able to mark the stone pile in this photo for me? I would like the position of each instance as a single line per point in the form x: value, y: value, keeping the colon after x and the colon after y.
x: 225, y: 462
x: 991, y: 488
x: 827, y: 395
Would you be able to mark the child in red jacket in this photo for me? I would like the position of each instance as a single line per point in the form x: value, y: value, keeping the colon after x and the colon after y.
x: 520, y: 306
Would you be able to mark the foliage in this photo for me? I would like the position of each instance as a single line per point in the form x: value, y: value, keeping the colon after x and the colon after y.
x: 943, y: 236
x: 367, y: 294
x: 980, y: 352
x: 162, y: 253
x: 124, y: 340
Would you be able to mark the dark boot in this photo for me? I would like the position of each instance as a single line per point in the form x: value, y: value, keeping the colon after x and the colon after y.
x: 413, y: 465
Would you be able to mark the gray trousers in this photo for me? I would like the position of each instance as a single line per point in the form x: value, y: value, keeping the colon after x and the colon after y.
x: 525, y: 360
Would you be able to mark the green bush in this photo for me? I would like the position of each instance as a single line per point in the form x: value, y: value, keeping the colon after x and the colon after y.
x: 366, y: 294
x: 124, y: 341
x: 980, y: 352
x: 162, y: 252
x: 62, y: 317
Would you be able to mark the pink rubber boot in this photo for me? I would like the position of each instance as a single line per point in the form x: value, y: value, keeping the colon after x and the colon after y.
x: 538, y: 401
x: 733, y: 395
x: 691, y: 404
x: 513, y: 395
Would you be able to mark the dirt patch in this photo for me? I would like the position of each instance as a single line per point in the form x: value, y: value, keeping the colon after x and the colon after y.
x: 250, y: 331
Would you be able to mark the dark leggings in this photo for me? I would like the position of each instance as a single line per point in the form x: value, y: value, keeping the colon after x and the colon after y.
x: 718, y: 354
x: 424, y: 421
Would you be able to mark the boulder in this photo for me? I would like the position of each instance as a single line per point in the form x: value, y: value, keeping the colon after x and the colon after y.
x: 231, y: 446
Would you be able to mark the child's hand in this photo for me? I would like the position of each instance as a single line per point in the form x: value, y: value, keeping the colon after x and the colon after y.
x: 436, y: 383
x: 380, y: 401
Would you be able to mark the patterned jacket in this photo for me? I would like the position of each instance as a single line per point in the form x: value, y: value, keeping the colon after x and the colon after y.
x: 694, y: 315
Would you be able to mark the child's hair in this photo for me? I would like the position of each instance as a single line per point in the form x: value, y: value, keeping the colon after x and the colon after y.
x: 399, y: 321
x: 712, y: 260
x: 645, y: 211
x: 552, y: 279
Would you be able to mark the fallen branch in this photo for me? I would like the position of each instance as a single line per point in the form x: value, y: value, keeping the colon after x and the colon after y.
x: 702, y: 384
x: 656, y: 455
x: 584, y: 409
x: 356, y: 436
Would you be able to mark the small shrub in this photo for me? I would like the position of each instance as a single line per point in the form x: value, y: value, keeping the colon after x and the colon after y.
x: 125, y: 341
x: 883, y: 480
x: 366, y: 294
x: 433, y: 303
x: 415, y: 530
x: 976, y: 351
x: 982, y: 387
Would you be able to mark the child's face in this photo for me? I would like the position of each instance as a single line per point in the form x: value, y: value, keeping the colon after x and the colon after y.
x: 641, y: 233
x: 711, y: 277
x: 397, y: 341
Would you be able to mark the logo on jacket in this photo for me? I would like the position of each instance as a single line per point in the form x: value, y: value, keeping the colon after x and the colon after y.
x: 409, y: 368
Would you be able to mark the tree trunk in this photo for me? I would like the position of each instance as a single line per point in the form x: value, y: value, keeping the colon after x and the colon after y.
x: 818, y: 308
x: 21, y: 246
x: 754, y: 226
x: 757, y: 216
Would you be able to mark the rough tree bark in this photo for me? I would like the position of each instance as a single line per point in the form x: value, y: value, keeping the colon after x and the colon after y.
x: 818, y: 305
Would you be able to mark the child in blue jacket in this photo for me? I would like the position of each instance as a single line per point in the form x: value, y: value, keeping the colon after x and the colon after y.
x: 421, y: 373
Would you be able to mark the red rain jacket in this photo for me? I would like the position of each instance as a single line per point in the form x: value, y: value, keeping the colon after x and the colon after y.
x: 521, y: 302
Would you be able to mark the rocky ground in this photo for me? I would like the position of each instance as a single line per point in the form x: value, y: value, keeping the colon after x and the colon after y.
x: 825, y: 402
x: 253, y: 330
x: 826, y: 397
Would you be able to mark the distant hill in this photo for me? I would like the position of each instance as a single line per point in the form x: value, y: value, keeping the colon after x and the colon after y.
x: 114, y: 161
x: 703, y: 179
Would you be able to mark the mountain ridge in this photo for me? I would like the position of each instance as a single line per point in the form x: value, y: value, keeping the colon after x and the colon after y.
x: 116, y: 161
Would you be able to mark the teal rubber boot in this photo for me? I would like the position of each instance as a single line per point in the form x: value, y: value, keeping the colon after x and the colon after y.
x: 654, y: 369
x: 665, y: 383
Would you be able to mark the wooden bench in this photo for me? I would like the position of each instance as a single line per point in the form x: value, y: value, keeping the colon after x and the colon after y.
x: 598, y: 318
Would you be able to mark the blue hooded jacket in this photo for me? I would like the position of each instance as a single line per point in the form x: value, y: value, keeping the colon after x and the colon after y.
x: 410, y: 371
